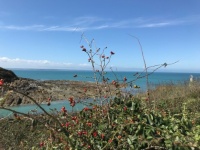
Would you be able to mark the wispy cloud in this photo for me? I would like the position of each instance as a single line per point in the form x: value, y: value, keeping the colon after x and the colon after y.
x: 96, y: 23
x: 14, y: 27
x: 25, y: 63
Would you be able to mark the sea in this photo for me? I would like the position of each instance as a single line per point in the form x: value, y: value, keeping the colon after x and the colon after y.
x: 134, y: 78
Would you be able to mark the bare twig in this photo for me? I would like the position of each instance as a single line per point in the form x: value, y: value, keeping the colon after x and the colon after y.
x: 145, y: 66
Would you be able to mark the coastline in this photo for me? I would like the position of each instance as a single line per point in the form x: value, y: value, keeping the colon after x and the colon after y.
x: 42, y: 91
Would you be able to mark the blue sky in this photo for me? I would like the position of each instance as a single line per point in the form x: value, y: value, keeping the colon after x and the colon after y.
x: 47, y: 33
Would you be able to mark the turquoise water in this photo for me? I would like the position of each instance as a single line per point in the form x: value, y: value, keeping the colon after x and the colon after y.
x: 53, y: 108
x: 155, y: 78
x: 88, y: 75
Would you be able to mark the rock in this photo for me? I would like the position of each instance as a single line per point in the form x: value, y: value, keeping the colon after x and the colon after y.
x: 7, y: 75
x: 41, y: 91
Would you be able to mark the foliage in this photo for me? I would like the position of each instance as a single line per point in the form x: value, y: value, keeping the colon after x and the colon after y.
x: 119, y: 121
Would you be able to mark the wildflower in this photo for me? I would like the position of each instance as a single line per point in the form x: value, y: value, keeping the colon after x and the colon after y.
x: 71, y: 99
x: 113, y: 82
x: 94, y: 107
x: 81, y: 46
x: 67, y: 124
x: 73, y: 103
x: 112, y: 53
x: 74, y: 118
x: 89, y: 59
x: 89, y: 124
x: 79, y: 133
x: 107, y: 57
x: 49, y: 101
x: 103, y: 56
x: 86, y: 109
x: 1, y: 82
x: 41, y: 144
x: 102, y: 136
x: 95, y: 133
x: 125, y: 108
x: 119, y: 136
x: 63, y: 109
x: 84, y: 132
x: 110, y: 141
x: 125, y: 79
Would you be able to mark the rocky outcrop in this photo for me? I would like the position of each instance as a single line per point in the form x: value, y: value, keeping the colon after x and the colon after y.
x: 7, y: 75
x: 18, y: 91
x: 41, y: 91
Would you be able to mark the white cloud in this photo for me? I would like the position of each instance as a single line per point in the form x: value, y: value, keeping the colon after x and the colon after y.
x: 84, y: 65
x: 6, y: 62
x: 153, y: 25
x: 25, y: 63
x: 13, y: 27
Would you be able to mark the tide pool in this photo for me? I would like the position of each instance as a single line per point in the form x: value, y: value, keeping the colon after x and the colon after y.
x: 53, y: 108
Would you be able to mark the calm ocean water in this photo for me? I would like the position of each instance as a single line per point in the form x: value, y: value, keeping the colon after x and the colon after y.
x: 154, y: 79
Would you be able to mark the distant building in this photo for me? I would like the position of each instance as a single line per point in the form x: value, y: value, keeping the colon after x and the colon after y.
x: 191, y: 78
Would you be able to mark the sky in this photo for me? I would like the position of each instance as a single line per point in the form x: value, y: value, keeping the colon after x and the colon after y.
x: 47, y: 34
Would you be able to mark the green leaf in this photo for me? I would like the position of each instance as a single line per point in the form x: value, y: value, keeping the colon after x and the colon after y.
x: 129, y: 141
x: 149, y: 137
x: 149, y: 119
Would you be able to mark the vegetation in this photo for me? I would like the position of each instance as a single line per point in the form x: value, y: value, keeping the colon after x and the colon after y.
x: 167, y: 117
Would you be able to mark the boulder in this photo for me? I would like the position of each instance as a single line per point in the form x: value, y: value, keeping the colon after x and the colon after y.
x: 7, y: 75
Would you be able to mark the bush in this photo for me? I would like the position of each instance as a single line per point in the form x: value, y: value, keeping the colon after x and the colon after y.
x: 118, y: 121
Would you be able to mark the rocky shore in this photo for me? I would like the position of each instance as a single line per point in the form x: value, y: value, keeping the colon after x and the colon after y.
x: 41, y: 91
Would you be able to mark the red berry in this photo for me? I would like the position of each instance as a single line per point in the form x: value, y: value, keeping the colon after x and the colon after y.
x: 125, y: 108
x: 86, y: 109
x: 102, y: 136
x: 80, y: 133
x: 1, y: 82
x: 95, y: 134
x: 41, y: 144
x: 67, y: 124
